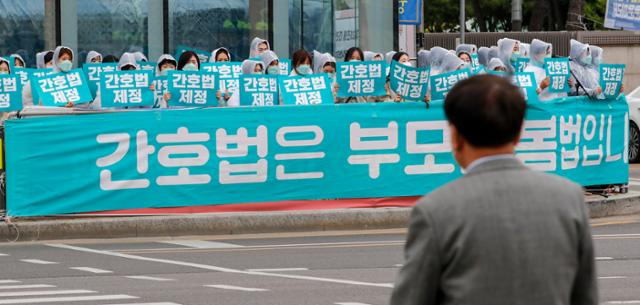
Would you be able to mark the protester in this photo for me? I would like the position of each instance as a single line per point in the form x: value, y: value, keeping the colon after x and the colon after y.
x: 494, y: 52
x: 436, y: 56
x: 403, y: 59
x: 495, y: 64
x: 127, y: 62
x: 483, y: 56
x: 354, y: 54
x: 189, y: 61
x: 389, y: 56
x: 165, y: 64
x: 539, y: 50
x: 586, y: 83
x: 44, y: 59
x: 139, y: 56
x: 478, y: 239
x: 373, y: 56
x: 301, y: 61
x: 423, y: 58
x: 524, y: 49
x: 464, y: 52
x: 258, y: 46
x: 324, y: 63
x: 248, y: 67
x: 5, y: 66
x: 18, y: 61
x: 220, y: 55
x: 451, y: 62
x: 93, y: 57
x: 270, y: 62
x: 509, y: 52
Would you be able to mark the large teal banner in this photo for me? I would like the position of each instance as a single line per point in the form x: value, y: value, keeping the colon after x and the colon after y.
x: 190, y: 157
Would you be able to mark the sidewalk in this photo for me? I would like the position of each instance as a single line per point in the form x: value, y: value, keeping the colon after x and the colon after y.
x: 249, y: 222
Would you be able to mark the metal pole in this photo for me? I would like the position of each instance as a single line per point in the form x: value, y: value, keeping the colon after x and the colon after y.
x: 462, y: 20
x: 516, y: 15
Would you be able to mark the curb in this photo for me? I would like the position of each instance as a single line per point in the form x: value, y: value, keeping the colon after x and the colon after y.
x: 246, y: 223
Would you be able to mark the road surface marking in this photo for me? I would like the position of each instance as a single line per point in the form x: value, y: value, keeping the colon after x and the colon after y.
x: 351, y: 303
x: 92, y: 270
x: 278, y: 270
x: 624, y: 302
x: 269, y: 247
x: 219, y: 269
x: 617, y: 236
x: 229, y: 287
x: 38, y: 261
x: 611, y: 277
x: 3, y: 254
x: 69, y: 299
x: 149, y: 278
x: 42, y: 292
x: 202, y: 244
x: 397, y: 265
x: 9, y: 282
x: 26, y: 286
x: 161, y: 303
x: 604, y: 258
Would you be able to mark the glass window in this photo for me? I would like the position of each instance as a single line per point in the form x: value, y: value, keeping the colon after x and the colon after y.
x: 22, y: 28
x: 208, y: 25
x: 112, y: 27
x: 311, y: 25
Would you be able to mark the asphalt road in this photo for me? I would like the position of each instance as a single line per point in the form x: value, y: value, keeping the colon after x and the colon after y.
x: 352, y: 268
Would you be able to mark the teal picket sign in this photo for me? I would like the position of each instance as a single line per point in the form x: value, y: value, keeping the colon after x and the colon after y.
x: 611, y: 76
x: 365, y: 78
x: 475, y: 61
x: 228, y: 74
x: 521, y: 63
x: 93, y: 70
x: 160, y: 85
x: 147, y: 66
x: 61, y: 88
x: 259, y: 90
x: 305, y: 90
x: 192, y: 88
x: 130, y: 88
x: 526, y: 81
x: 559, y: 72
x: 441, y: 84
x: 25, y: 79
x: 409, y: 82
x: 214, y: 156
x: 285, y: 66
x: 10, y: 92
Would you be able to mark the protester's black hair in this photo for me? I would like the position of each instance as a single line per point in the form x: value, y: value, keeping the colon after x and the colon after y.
x: 110, y: 58
x: 299, y: 57
x: 165, y: 61
x: 48, y: 57
x: 185, y: 57
x: 396, y: 57
x: 350, y: 52
x: 486, y: 110
x: 222, y: 51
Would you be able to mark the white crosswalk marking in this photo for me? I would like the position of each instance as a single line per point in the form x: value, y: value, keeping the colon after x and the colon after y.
x: 160, y: 303
x: 3, y: 254
x: 624, y: 302
x: 149, y: 278
x: 230, y: 287
x: 351, y: 303
x: 26, y: 286
x: 68, y: 299
x: 9, y: 282
x: 278, y: 269
x: 92, y: 270
x: 38, y: 261
x: 42, y: 292
x: 202, y: 244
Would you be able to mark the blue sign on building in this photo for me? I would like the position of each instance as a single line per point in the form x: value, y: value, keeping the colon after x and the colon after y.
x: 410, y: 12
x: 623, y: 15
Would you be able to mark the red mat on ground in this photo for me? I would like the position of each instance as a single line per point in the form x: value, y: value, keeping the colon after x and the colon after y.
x: 291, y: 205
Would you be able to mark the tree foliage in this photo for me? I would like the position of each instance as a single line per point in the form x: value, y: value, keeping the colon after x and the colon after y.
x: 495, y: 15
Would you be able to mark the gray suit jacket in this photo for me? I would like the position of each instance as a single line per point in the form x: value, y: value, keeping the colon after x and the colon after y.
x: 502, y: 234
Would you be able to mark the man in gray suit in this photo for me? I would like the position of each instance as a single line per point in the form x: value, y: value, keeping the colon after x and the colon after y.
x: 501, y: 234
